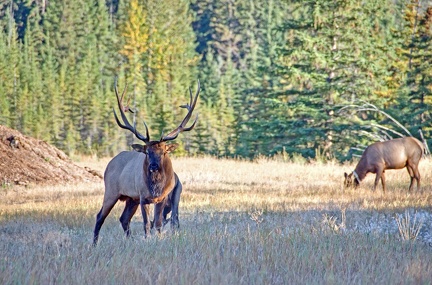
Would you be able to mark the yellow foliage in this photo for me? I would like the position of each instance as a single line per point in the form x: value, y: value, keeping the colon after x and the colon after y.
x: 135, y: 32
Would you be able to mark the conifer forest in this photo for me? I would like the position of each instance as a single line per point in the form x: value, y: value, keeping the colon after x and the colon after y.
x: 315, y: 79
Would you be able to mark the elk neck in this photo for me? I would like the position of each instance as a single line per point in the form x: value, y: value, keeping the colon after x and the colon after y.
x: 158, y: 176
x: 356, y: 176
x: 359, y: 173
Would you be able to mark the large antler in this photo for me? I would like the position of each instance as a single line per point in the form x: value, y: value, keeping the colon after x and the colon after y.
x: 182, y: 127
x: 126, y: 124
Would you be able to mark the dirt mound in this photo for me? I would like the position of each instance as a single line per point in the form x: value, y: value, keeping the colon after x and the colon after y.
x: 25, y: 160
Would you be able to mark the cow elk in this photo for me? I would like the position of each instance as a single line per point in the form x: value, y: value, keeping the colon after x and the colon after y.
x: 144, y: 176
x: 392, y: 154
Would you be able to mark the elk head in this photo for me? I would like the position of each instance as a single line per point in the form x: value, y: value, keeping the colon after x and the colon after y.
x: 157, y: 164
x: 351, y: 180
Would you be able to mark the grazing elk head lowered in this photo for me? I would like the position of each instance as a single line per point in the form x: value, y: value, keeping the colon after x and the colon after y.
x: 392, y: 154
x: 144, y: 176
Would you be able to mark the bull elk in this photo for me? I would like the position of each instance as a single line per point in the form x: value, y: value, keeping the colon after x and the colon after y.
x: 392, y: 154
x: 144, y: 176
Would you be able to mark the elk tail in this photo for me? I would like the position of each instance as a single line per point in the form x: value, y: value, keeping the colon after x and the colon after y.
x: 426, y: 150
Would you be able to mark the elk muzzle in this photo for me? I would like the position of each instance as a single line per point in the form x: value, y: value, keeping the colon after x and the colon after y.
x: 153, y: 167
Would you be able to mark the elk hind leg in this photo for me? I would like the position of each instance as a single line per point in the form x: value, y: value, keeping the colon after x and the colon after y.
x: 414, y: 174
x: 417, y: 176
x: 128, y: 212
x: 175, y: 201
x: 411, y: 174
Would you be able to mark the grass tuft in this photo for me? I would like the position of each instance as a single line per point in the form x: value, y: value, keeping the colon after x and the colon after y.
x: 409, y: 228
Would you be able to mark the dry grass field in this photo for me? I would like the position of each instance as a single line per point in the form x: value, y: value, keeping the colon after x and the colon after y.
x: 261, y: 222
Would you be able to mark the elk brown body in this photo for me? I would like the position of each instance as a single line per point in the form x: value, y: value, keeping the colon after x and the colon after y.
x: 393, y: 154
x: 144, y: 176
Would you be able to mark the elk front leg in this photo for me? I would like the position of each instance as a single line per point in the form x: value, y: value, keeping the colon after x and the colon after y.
x: 158, y: 215
x: 100, y: 218
x: 379, y: 175
x: 383, y: 181
x: 145, y: 213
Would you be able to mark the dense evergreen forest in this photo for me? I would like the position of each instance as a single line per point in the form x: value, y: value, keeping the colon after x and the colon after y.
x: 315, y: 78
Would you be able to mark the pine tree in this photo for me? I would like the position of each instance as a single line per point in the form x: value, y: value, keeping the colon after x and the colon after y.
x: 10, y: 75
x: 419, y: 83
x: 53, y: 96
x: 5, y: 107
x: 258, y: 126
x: 136, y: 33
x: 219, y: 33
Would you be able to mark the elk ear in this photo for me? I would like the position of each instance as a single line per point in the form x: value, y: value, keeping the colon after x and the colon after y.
x: 171, y: 147
x: 139, y: 147
x: 346, y: 175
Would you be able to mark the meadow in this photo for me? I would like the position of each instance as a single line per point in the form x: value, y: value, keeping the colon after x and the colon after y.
x: 268, y: 221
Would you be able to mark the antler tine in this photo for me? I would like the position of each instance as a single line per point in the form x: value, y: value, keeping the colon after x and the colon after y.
x: 192, y: 126
x: 126, y: 108
x: 192, y: 104
x: 121, y: 106
x: 126, y: 125
x: 182, y: 127
x: 147, y: 132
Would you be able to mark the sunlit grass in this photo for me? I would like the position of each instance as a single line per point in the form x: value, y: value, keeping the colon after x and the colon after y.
x: 261, y: 222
